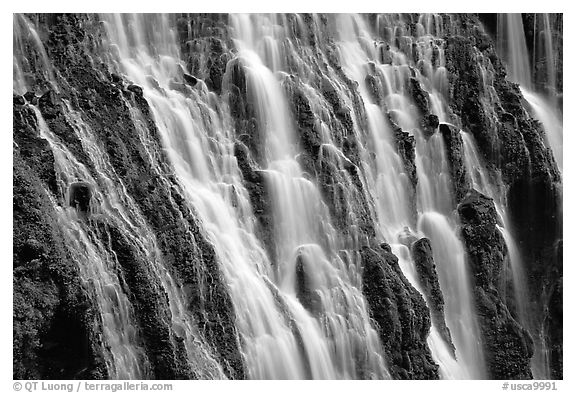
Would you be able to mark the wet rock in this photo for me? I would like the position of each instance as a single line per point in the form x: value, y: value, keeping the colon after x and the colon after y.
x: 400, y: 314
x: 339, y: 108
x: 191, y: 80
x: 34, y: 150
x: 31, y: 98
x: 18, y: 100
x: 53, y: 333
x: 407, y: 237
x: 32, y: 249
x: 180, y: 87
x: 455, y: 157
x: 116, y: 79
x: 305, y: 292
x: 406, y: 146
x: 135, y: 89
x: 48, y: 104
x: 553, y: 318
x: 255, y: 183
x: 80, y: 194
x: 375, y: 88
x: 429, y: 124
x: 153, y: 82
x: 426, y: 268
x: 513, y: 146
x: 386, y: 247
x: 384, y: 54
x: 420, y: 96
x: 507, y: 345
x: 163, y: 349
x: 435, y: 56
x: 306, y: 120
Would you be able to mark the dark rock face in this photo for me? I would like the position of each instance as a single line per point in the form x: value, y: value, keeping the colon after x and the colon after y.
x: 205, y: 45
x: 80, y: 194
x: 48, y: 104
x: 183, y: 247
x: 420, y: 96
x: 455, y: 156
x: 426, y: 269
x: 304, y: 290
x: 54, y: 334
x: 191, y: 80
x: 553, y: 319
x: 401, y: 315
x: 507, y: 345
x: 31, y: 97
x: 18, y: 100
x: 512, y: 144
x: 255, y: 183
x: 406, y: 147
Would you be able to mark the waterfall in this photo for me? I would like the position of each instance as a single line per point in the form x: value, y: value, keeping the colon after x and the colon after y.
x: 126, y: 358
x: 97, y: 263
x: 480, y: 180
x: 544, y: 107
x: 435, y: 203
x: 549, y: 53
x: 512, y: 45
x: 287, y: 149
x: 547, y: 112
x: 280, y: 336
x: 24, y: 37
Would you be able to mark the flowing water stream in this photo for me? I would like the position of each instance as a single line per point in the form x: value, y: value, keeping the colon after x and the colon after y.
x: 281, y: 336
x: 546, y: 107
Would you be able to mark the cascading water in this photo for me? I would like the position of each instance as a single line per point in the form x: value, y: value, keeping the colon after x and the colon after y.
x: 273, y: 324
x: 304, y: 233
x: 126, y: 359
x: 547, y: 112
x: 480, y: 180
x: 97, y: 264
x: 435, y: 202
x: 544, y: 107
x: 333, y: 103
x: 544, y: 46
x: 512, y: 44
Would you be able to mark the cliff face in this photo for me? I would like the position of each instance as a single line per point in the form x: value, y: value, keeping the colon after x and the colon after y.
x: 102, y: 99
x: 513, y: 145
x: 57, y: 330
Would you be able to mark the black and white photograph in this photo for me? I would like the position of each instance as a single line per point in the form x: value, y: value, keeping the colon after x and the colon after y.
x: 287, y: 196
